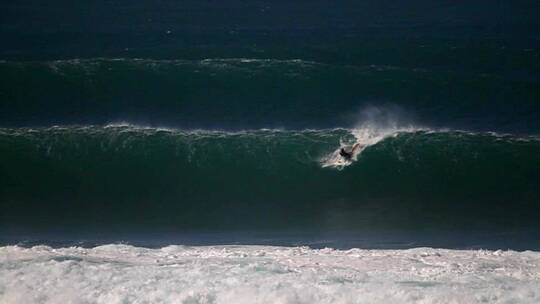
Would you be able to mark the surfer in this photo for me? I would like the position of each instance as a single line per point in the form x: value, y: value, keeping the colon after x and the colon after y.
x: 348, y: 155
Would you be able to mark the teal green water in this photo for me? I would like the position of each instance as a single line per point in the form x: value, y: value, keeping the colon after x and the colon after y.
x: 269, y: 93
x: 267, y: 179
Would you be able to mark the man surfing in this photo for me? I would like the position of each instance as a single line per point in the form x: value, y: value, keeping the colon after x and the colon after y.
x: 348, y: 155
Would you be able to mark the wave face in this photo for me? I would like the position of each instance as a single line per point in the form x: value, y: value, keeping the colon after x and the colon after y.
x: 145, y: 179
x: 267, y: 93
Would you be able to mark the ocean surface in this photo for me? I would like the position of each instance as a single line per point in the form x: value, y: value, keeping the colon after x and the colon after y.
x: 188, y: 152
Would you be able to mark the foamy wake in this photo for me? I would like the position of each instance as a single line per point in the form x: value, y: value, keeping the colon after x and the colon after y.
x: 365, y: 136
x: 374, y: 125
x: 261, y: 274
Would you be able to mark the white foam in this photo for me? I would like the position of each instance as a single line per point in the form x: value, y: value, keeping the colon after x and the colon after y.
x: 375, y: 125
x: 365, y: 137
x: 263, y: 274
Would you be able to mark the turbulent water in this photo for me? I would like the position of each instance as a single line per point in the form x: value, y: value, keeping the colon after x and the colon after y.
x: 189, y: 151
x: 262, y: 274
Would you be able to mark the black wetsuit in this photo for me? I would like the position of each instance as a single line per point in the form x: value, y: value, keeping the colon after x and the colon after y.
x: 345, y: 154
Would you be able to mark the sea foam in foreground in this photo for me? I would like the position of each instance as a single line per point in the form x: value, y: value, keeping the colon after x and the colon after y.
x: 263, y: 274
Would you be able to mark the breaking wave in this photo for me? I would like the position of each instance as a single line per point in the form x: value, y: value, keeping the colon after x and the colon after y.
x: 142, y: 177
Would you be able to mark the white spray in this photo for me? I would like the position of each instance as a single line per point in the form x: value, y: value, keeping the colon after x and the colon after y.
x: 374, y: 125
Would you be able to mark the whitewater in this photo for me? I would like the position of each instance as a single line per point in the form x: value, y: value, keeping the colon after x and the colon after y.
x: 120, y: 273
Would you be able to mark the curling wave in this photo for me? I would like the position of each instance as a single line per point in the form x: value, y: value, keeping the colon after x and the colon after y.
x: 128, y: 176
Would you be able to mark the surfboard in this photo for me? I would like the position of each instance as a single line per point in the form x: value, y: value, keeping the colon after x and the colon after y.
x: 335, y: 160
